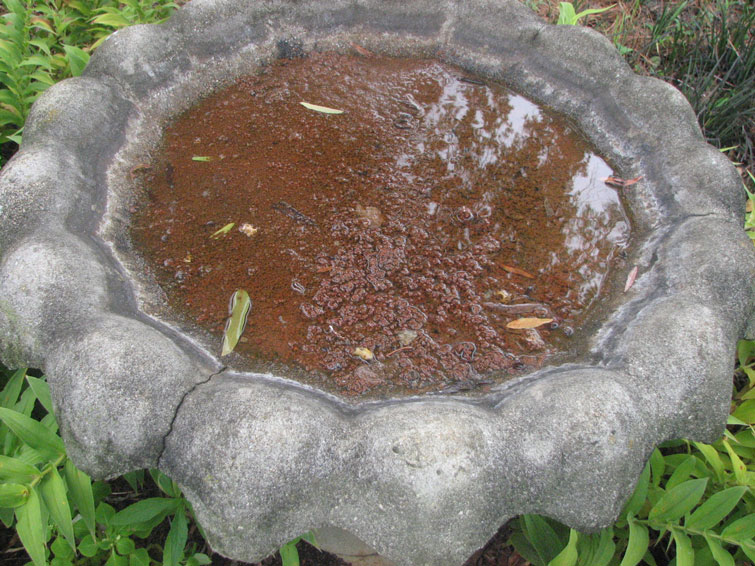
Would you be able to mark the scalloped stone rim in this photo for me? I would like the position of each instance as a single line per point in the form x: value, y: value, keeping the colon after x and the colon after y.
x: 424, y: 480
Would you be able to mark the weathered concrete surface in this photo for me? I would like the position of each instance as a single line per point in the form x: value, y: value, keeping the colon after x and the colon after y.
x: 423, y: 481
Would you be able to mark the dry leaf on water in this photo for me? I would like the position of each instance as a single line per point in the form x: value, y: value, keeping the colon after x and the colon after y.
x: 517, y: 271
x: 361, y: 50
x: 364, y: 353
x: 527, y: 322
x: 630, y: 278
x: 323, y: 109
x: 621, y: 183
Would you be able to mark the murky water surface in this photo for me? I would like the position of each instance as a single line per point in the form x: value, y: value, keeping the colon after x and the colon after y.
x: 413, y: 227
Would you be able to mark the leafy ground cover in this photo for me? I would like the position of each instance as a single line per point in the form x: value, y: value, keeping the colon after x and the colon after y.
x: 694, y: 503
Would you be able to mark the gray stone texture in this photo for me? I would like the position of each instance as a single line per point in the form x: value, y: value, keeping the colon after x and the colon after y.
x: 424, y: 481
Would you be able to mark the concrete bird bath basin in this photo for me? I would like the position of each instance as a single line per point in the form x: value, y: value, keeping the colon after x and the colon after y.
x: 424, y: 480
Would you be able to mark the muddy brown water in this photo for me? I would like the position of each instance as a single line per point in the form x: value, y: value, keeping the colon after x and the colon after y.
x: 413, y: 227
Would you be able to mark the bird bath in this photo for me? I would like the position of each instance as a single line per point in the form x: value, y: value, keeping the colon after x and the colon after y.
x: 423, y: 479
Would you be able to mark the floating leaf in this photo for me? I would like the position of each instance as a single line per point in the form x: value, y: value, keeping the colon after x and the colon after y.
x: 223, y: 231
x: 622, y: 183
x: 238, y: 308
x: 631, y: 278
x: 517, y: 271
x: 528, y: 322
x: 201, y: 158
x: 323, y: 109
x: 361, y: 50
x: 364, y: 353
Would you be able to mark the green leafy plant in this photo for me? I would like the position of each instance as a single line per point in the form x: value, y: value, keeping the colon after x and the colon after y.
x: 57, y: 510
x: 568, y: 16
x: 696, y: 498
x: 288, y: 552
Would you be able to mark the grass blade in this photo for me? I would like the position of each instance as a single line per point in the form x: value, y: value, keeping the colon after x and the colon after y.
x: 53, y: 492
x: 80, y: 490
x: 30, y: 528
x: 322, y: 109
x: 34, y: 434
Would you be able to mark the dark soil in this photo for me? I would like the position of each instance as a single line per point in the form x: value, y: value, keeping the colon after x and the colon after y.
x: 385, y: 249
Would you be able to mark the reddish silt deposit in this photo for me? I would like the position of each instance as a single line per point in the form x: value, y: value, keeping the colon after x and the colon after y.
x: 410, y: 229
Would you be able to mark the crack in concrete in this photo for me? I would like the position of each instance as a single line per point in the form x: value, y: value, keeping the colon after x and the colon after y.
x: 178, y: 409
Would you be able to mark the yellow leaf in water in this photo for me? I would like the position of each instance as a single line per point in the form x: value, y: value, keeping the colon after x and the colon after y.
x: 323, y: 109
x: 528, y: 322
x: 364, y: 353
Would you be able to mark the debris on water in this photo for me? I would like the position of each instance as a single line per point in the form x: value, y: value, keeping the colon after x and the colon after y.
x: 631, y: 278
x: 284, y: 208
x: 223, y: 231
x: 527, y: 322
x: 364, y: 353
x: 248, y: 230
x: 238, y: 310
x: 406, y: 337
x: 371, y: 214
x: 322, y: 109
x: 298, y: 287
x: 621, y: 183
x: 517, y: 271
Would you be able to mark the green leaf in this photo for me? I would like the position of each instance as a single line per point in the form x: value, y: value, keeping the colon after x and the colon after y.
x: 14, y: 470
x: 124, y: 545
x: 140, y: 557
x: 685, y: 554
x: 41, y: 391
x: 31, y: 529
x: 116, y: 560
x: 322, y: 109
x: 144, y: 510
x: 88, y: 546
x: 605, y: 550
x: 682, y: 472
x: 77, y: 59
x: 568, y: 556
x: 289, y: 554
x: 62, y: 549
x: 740, y: 470
x: 80, y: 489
x: 53, y: 492
x: 13, y: 494
x: 309, y: 536
x: 239, y: 308
x: 721, y: 555
x: 113, y: 20
x: 543, y: 538
x: 637, y: 501
x: 12, y: 389
x: 745, y: 351
x: 715, y: 509
x: 746, y: 412
x: 201, y: 158
x: 223, y: 231
x: 198, y: 559
x: 567, y: 16
x: 713, y: 459
x: 657, y: 467
x: 639, y: 539
x: 176, y: 539
x: 523, y: 546
x: 741, y: 530
x: 34, y: 434
x: 678, y: 501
